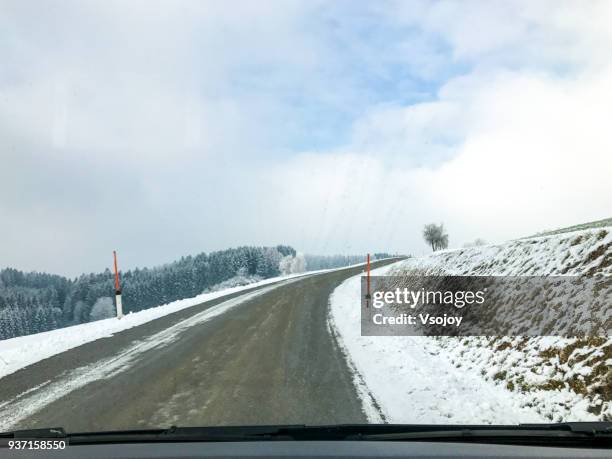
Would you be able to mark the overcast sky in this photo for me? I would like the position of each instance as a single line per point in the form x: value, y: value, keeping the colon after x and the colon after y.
x: 167, y: 128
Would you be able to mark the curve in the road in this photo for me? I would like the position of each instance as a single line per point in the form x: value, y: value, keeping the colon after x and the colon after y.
x: 271, y: 360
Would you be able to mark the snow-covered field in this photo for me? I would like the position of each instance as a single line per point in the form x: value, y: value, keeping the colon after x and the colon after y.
x: 479, y: 379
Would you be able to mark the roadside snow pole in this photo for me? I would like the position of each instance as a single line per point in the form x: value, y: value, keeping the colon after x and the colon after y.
x: 117, y: 290
x: 369, y: 276
x: 368, y: 297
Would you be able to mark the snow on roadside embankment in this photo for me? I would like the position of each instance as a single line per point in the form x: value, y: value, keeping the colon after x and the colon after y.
x: 17, y: 353
x: 479, y: 379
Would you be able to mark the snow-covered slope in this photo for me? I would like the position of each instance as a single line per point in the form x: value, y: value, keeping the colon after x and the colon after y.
x: 479, y: 379
x: 580, y: 252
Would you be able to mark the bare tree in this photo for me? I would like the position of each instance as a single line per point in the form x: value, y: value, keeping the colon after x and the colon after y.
x: 435, y: 236
x: 443, y: 241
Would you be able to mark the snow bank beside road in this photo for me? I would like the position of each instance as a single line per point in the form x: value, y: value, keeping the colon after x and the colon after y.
x: 487, y: 380
x: 410, y: 379
x: 567, y: 379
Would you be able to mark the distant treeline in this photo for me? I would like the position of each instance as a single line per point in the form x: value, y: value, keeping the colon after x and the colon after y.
x: 315, y: 262
x: 37, y: 302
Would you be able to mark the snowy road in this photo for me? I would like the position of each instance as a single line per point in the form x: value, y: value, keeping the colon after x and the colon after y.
x: 264, y: 356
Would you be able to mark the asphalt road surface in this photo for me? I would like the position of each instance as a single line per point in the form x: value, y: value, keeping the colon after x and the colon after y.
x: 269, y: 360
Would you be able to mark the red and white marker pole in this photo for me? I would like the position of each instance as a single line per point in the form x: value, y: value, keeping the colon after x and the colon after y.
x: 368, y: 296
x: 369, y: 275
x: 117, y: 290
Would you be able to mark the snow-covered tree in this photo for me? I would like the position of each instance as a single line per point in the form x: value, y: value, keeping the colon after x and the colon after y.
x: 292, y: 264
x: 435, y: 236
x: 34, y: 302
x: 103, y: 308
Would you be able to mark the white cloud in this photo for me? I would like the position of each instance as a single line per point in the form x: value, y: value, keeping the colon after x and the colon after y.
x: 189, y: 124
x: 536, y: 155
x: 520, y: 32
x: 514, y: 146
x: 532, y: 152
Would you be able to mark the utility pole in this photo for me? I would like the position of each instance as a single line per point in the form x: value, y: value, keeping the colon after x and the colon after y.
x: 117, y: 290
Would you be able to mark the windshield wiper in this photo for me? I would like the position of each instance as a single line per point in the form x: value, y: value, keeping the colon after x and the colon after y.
x: 582, y: 434
x: 172, y: 434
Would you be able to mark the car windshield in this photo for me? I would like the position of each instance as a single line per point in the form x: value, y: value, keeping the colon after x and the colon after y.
x: 248, y: 213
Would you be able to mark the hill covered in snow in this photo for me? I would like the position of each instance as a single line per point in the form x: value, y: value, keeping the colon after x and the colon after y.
x: 560, y: 367
x: 488, y: 379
